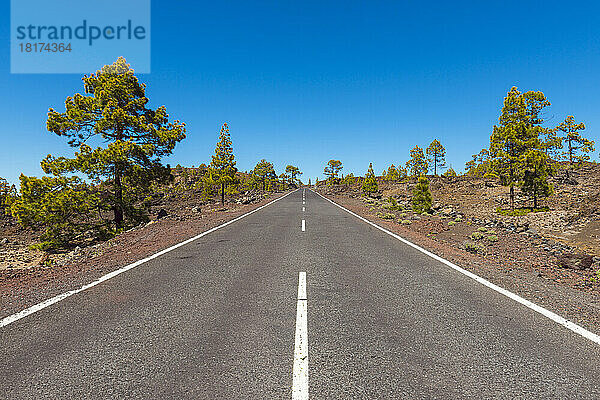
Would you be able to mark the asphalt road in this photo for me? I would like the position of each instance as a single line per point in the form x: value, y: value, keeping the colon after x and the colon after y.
x: 216, y: 319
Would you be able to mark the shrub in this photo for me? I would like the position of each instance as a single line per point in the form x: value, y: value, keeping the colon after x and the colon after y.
x: 477, y: 236
x: 406, y: 222
x: 65, y: 208
x: 482, y: 229
x: 492, y: 238
x: 518, y: 212
x: 451, y: 223
x: 386, y: 215
x: 422, y: 199
x: 472, y: 248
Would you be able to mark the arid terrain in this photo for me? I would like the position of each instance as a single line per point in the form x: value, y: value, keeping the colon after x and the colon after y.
x: 550, y: 257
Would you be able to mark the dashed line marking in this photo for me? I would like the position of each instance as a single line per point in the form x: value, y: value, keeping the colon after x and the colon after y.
x: 300, y: 369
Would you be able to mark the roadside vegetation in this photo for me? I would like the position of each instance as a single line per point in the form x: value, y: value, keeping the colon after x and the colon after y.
x: 534, y: 180
x: 115, y: 172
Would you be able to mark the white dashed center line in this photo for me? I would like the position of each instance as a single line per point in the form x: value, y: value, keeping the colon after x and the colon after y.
x: 300, y: 371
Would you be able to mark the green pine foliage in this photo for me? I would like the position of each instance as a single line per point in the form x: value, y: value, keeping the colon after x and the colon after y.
x: 264, y: 172
x: 479, y: 165
x: 222, y: 167
x: 417, y: 164
x: 64, y: 208
x: 349, y: 179
x: 293, y: 172
x: 518, y: 132
x: 575, y: 145
x: 535, y: 178
x: 422, y: 198
x: 369, y: 185
x: 450, y: 173
x: 436, y: 156
x: 113, y: 111
x: 332, y: 169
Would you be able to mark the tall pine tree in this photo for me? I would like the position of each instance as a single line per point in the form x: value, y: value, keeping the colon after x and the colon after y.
x: 436, y: 155
x: 576, y: 146
x: 264, y: 171
x: 222, y: 167
x: 114, y: 110
x: 417, y: 164
x: 517, y: 132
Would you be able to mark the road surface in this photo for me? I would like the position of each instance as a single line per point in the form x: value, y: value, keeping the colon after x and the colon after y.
x: 229, y: 316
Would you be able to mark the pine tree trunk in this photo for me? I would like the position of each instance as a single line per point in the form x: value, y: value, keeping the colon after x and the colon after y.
x: 223, y: 193
x: 512, y: 198
x: 118, y: 207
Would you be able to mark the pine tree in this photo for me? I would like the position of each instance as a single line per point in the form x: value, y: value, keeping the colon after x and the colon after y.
x: 436, y: 155
x: 309, y: 182
x: 64, y: 208
x: 479, y: 165
x: 292, y: 171
x: 349, y: 179
x: 450, y: 173
x: 391, y: 175
x: 114, y: 111
x: 4, y: 192
x: 222, y: 167
x: 518, y: 132
x: 422, y: 199
x: 535, y: 178
x: 264, y: 172
x: 369, y: 185
x: 576, y: 145
x: 332, y: 169
x: 417, y: 165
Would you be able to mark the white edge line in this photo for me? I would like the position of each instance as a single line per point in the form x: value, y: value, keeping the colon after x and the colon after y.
x: 47, y: 303
x: 547, y: 313
x: 303, y: 225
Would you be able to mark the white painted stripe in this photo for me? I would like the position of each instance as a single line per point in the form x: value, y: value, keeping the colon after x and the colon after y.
x: 300, y: 370
x: 303, y: 209
x: 46, y: 303
x: 303, y: 202
x: 539, y: 309
x: 303, y: 225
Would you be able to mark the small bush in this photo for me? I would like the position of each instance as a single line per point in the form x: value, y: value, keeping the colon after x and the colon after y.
x: 472, y: 248
x: 458, y: 219
x: 492, y: 238
x: 482, y: 229
x: 477, y: 236
x: 386, y: 215
x: 406, y: 222
x: 517, y: 212
x: 451, y: 223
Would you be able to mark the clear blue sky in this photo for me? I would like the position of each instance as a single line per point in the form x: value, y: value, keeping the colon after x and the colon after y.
x: 303, y: 82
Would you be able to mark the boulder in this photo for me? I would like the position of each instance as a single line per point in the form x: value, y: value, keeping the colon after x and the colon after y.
x: 575, y: 261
